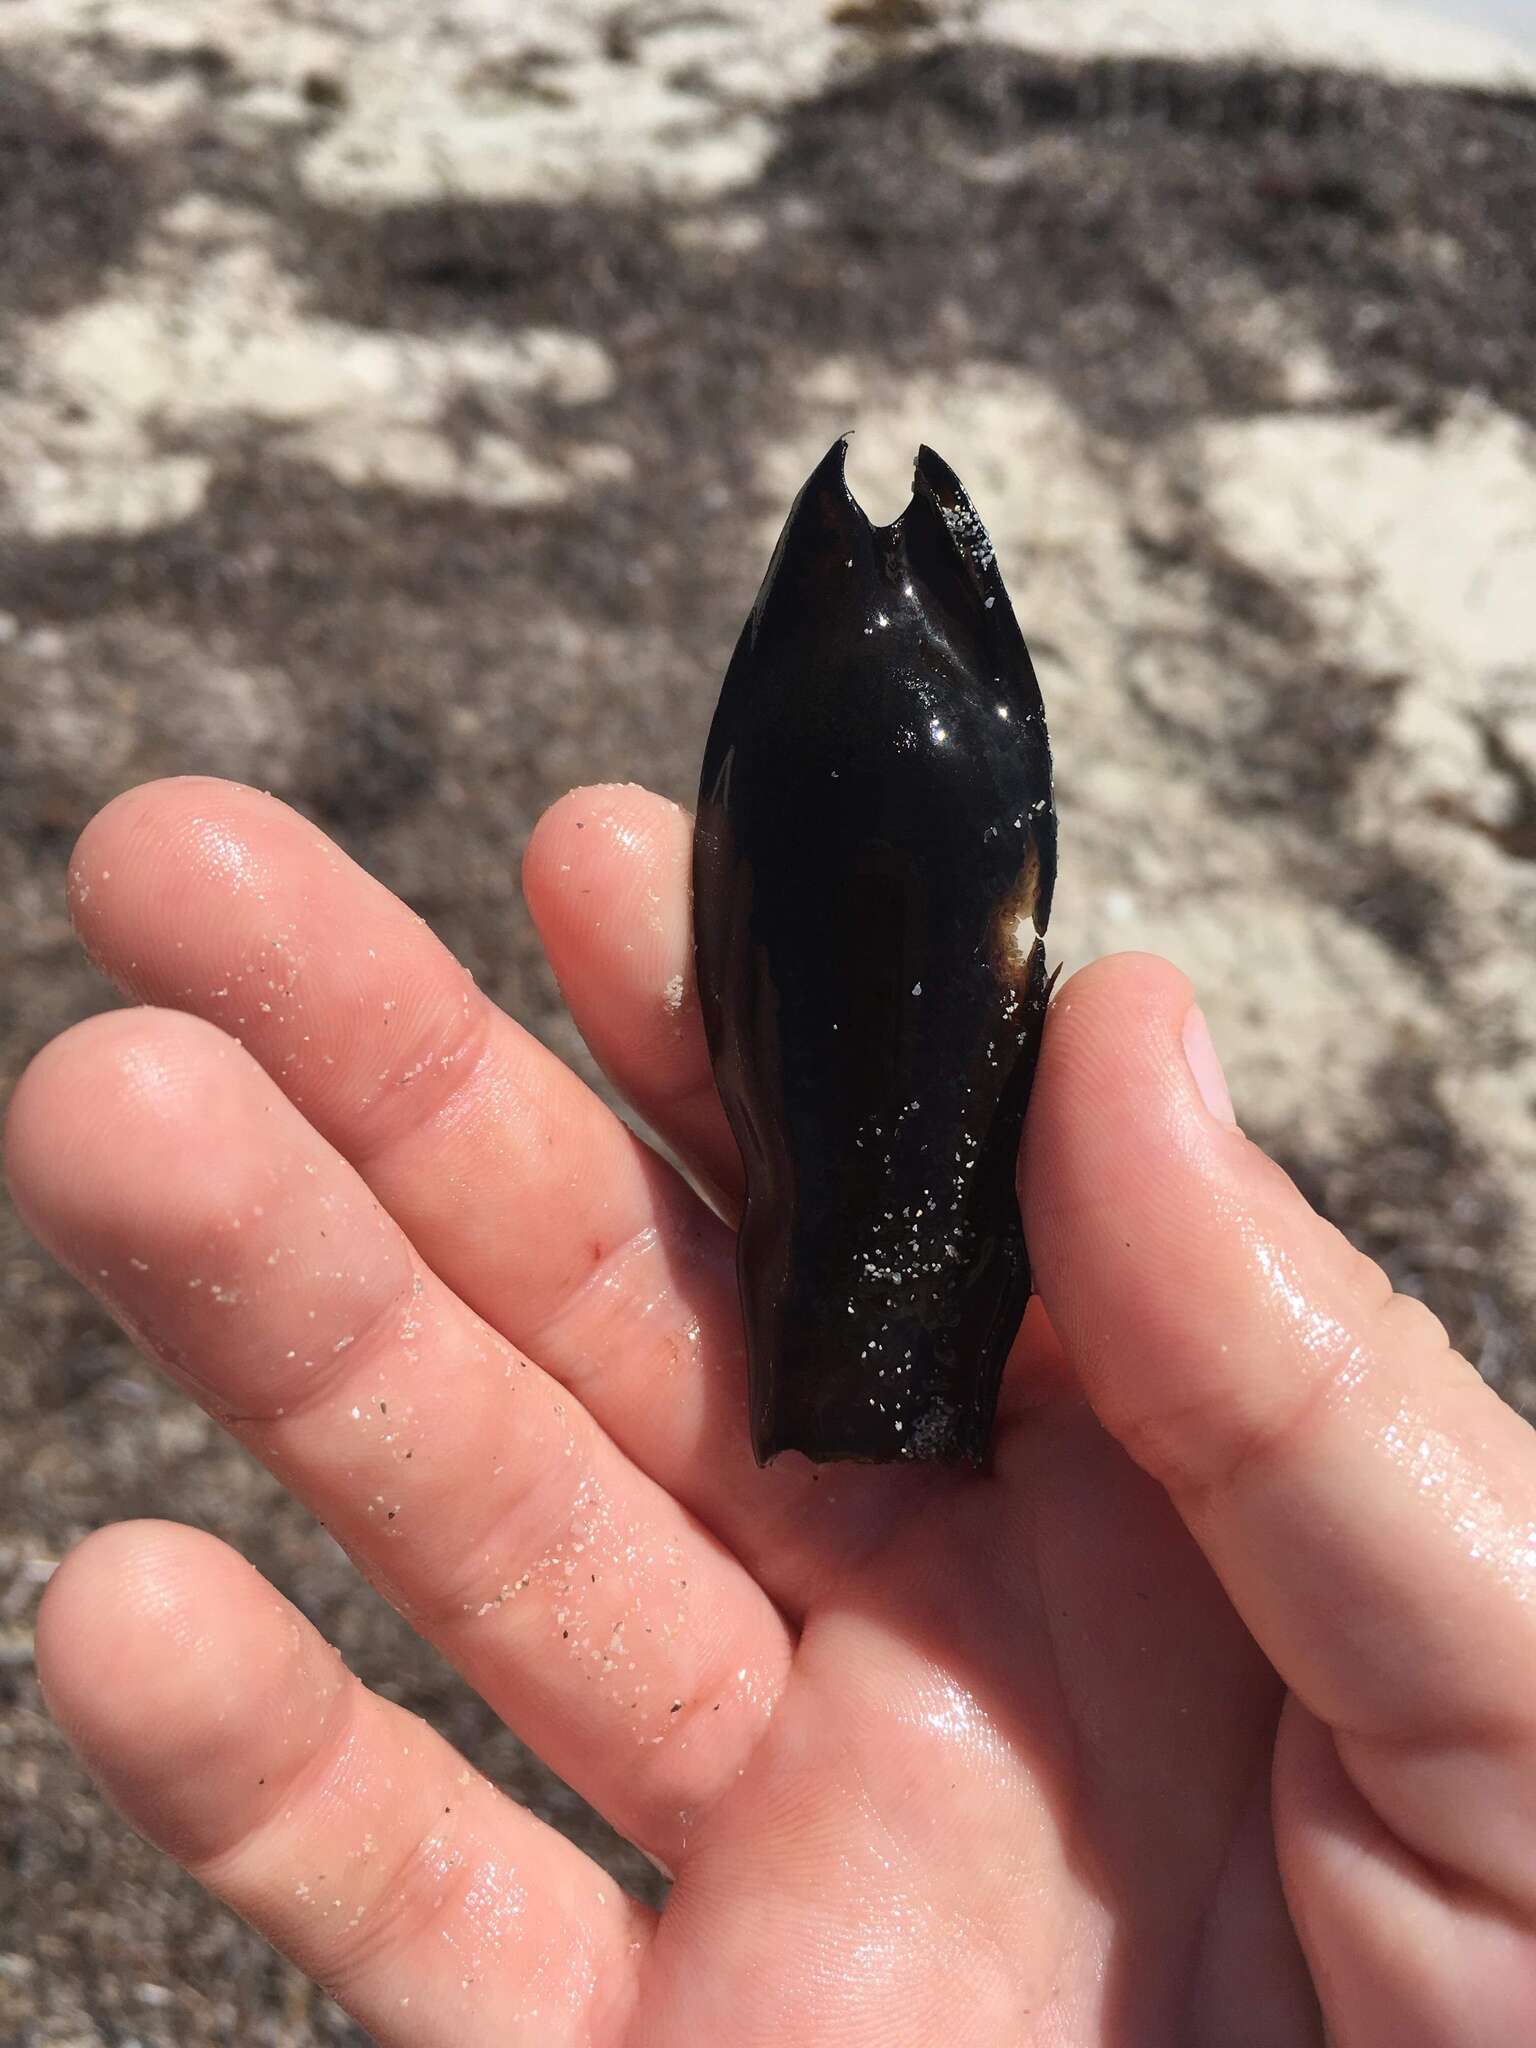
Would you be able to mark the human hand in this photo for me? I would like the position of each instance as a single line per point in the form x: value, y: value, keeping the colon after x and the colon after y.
x: 1207, y: 1715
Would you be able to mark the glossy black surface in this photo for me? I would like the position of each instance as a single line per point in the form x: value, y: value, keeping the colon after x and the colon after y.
x: 874, y: 860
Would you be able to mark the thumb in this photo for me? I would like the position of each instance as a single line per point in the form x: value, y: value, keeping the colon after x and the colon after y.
x: 1368, y: 1503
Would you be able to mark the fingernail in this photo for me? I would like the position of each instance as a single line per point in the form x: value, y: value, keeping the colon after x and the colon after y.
x: 1200, y: 1051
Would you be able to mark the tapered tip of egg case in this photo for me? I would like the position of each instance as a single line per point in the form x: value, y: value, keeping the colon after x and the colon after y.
x: 834, y: 574
x: 936, y: 488
x: 826, y: 532
x: 934, y: 483
x: 938, y: 526
x: 833, y: 466
x: 825, y: 493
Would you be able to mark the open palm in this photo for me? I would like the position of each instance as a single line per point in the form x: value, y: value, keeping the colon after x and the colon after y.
x: 1207, y: 1715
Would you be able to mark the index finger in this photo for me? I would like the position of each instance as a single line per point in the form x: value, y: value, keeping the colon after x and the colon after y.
x: 609, y: 887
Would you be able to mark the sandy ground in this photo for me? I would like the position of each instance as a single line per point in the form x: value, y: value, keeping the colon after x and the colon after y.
x: 399, y: 418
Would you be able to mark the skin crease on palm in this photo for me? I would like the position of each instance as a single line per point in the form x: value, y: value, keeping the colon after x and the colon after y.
x: 1207, y: 1715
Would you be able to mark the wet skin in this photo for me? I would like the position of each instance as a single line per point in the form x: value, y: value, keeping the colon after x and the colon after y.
x: 1208, y: 1715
